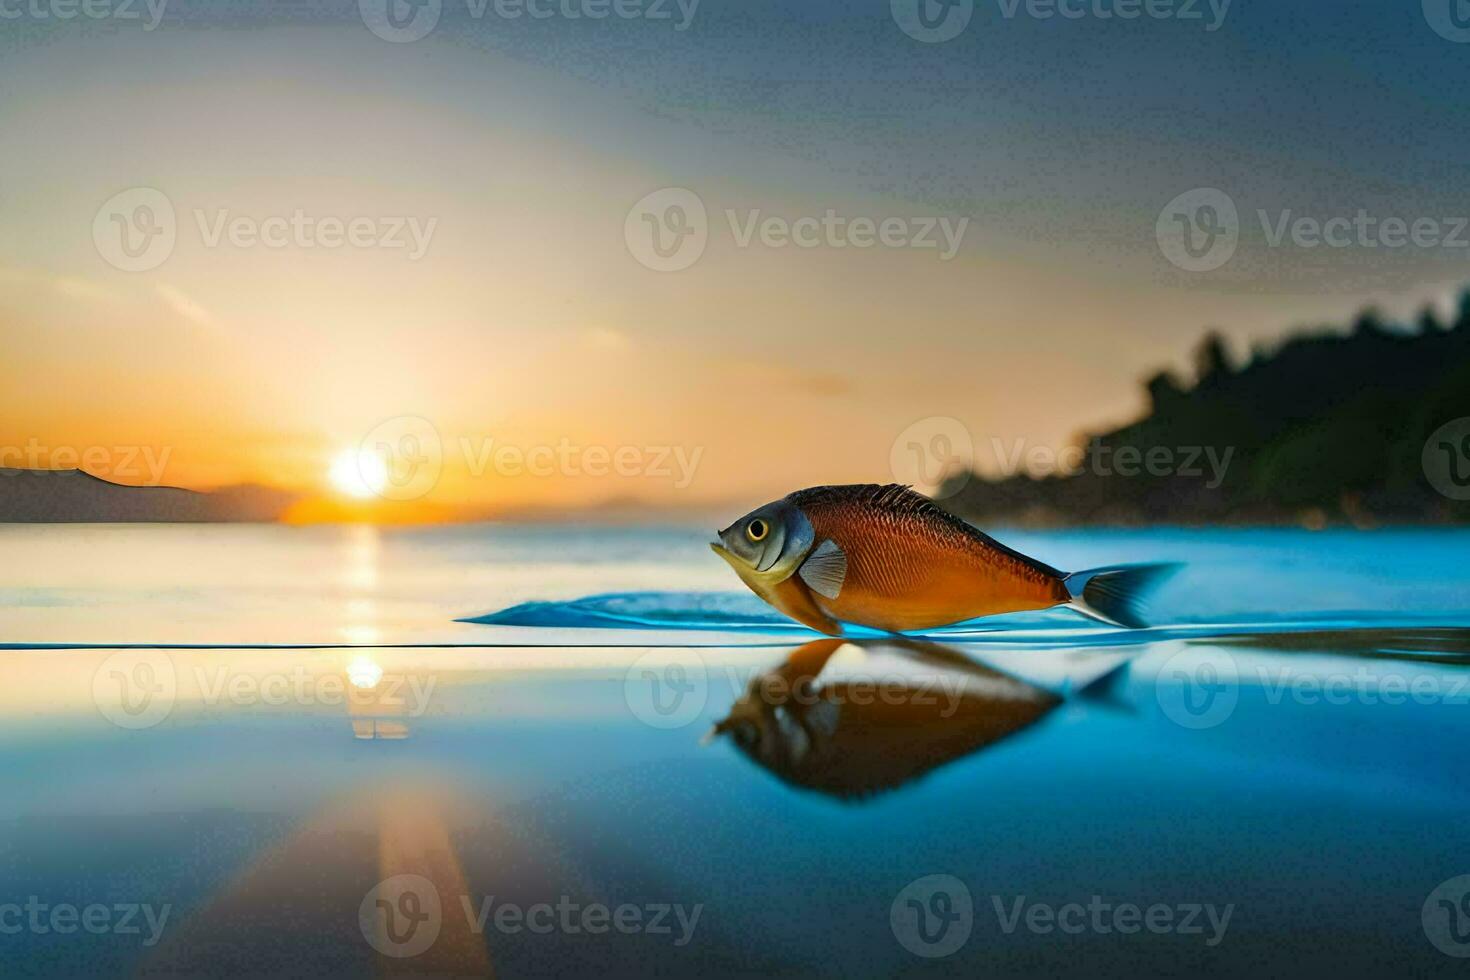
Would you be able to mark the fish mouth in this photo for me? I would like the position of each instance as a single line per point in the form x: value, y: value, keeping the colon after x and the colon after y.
x: 730, y: 557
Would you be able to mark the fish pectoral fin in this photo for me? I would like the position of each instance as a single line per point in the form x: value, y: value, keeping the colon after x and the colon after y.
x: 793, y: 599
x: 825, y: 569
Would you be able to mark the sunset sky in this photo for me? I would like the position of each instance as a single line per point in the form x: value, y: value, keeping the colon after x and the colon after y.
x: 521, y: 145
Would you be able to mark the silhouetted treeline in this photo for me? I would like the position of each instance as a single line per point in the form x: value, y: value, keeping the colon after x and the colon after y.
x: 1325, y: 428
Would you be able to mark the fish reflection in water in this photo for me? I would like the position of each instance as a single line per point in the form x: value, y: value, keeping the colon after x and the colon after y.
x: 854, y: 734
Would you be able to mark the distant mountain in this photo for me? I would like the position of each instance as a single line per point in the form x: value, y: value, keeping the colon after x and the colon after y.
x: 72, y: 496
x: 1329, y: 427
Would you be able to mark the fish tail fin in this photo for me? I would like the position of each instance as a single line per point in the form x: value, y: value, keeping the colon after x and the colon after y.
x: 1115, y: 594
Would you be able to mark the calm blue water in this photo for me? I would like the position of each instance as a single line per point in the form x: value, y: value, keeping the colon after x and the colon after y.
x: 254, y: 751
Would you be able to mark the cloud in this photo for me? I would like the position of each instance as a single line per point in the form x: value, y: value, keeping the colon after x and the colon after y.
x: 186, y: 307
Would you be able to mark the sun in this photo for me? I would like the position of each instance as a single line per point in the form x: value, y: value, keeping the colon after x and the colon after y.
x: 358, y: 473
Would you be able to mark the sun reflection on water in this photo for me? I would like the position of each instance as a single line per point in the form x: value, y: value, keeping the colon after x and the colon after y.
x: 364, y: 673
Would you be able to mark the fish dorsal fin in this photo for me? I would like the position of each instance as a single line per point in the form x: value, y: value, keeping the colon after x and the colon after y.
x: 825, y: 569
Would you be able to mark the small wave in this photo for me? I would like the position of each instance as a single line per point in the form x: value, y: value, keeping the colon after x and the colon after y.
x: 734, y: 612
x: 723, y: 611
x: 647, y: 610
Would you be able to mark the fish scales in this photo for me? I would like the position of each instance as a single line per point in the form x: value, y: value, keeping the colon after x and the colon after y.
x: 888, y: 558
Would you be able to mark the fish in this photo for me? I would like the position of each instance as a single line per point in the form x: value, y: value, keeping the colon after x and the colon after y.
x: 889, y: 558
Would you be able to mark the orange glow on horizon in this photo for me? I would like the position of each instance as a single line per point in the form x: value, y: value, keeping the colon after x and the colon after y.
x: 333, y: 510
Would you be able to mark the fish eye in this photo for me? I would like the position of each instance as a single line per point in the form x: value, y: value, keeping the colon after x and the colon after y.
x: 757, y: 530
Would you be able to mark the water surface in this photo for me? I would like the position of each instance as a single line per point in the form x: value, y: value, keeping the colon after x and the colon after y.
x: 257, y: 728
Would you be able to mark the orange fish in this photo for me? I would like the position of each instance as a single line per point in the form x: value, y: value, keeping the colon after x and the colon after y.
x: 889, y: 558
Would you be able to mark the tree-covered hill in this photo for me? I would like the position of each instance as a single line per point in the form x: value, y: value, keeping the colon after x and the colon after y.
x: 1328, y: 427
